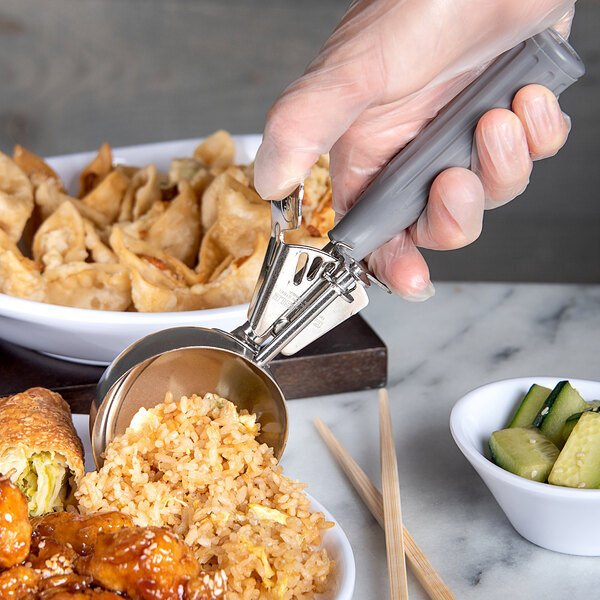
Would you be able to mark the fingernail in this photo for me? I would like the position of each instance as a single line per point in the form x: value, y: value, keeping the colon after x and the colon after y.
x: 421, y: 295
x: 543, y: 117
x: 275, y: 176
x: 567, y: 120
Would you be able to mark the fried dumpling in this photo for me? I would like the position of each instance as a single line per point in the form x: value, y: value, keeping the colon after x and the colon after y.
x: 108, y: 195
x: 210, y: 200
x: 184, y: 168
x: 234, y: 281
x: 60, y: 238
x: 140, y: 227
x: 241, y: 216
x: 154, y: 297
x: 317, y: 216
x: 177, y: 231
x: 142, y: 192
x: 34, y: 166
x: 217, y: 150
x: 19, y: 276
x: 316, y: 185
x: 98, y: 250
x: 212, y: 254
x: 153, y: 264
x: 89, y: 285
x: 96, y: 171
x: 48, y: 197
x: 16, y: 198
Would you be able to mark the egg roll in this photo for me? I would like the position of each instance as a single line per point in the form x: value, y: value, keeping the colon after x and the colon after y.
x: 39, y: 449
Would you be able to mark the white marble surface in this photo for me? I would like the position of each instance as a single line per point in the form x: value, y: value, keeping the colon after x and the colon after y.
x: 464, y: 337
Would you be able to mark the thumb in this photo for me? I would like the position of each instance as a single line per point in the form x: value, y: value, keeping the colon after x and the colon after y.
x: 315, y: 110
x: 305, y: 121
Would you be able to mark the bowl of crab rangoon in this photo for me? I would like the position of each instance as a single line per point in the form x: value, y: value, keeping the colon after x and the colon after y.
x: 99, y: 249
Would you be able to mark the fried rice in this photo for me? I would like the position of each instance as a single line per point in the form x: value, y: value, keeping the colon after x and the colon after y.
x: 194, y: 465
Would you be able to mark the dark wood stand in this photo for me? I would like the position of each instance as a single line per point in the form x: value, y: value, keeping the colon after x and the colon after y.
x: 349, y: 358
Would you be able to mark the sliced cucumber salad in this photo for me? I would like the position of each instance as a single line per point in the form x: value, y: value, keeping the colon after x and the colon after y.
x: 554, y: 436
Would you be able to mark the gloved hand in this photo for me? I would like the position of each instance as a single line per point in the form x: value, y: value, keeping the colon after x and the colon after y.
x: 387, y: 69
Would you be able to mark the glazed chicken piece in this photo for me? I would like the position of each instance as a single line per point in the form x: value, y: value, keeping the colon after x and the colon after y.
x: 80, y: 531
x: 15, y: 529
x: 19, y: 583
x: 146, y: 563
x: 71, y: 583
x: 208, y: 586
x: 87, y: 594
x: 50, y: 557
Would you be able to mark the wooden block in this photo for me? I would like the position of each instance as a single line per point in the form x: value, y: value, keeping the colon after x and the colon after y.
x: 351, y: 357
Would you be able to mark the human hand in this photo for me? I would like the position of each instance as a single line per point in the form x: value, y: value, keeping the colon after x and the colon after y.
x: 385, y: 72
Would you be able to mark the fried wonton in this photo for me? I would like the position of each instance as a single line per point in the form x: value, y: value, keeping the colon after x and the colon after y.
x: 142, y: 192
x: 317, y: 214
x: 96, y: 171
x: 177, y: 231
x: 184, y: 168
x: 48, y: 197
x: 210, y: 198
x: 60, y: 238
x: 241, y: 216
x: 316, y: 185
x: 154, y: 297
x: 19, y: 276
x: 108, y: 195
x: 212, y: 254
x: 33, y: 166
x: 85, y: 285
x: 16, y: 198
x: 97, y: 249
x: 217, y: 150
x: 153, y: 264
x: 235, y: 282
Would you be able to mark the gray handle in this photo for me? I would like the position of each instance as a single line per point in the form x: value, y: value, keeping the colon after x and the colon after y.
x: 398, y: 195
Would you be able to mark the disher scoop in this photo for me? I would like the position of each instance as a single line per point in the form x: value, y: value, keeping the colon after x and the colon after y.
x: 303, y: 292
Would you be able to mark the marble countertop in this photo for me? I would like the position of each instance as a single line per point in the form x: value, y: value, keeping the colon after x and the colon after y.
x: 466, y: 336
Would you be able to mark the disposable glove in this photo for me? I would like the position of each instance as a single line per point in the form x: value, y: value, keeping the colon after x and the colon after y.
x: 386, y: 70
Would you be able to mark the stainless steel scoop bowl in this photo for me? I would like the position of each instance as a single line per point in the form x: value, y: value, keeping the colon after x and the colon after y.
x: 186, y: 361
x: 303, y: 292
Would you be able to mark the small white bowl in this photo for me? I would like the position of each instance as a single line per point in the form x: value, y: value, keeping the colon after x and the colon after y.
x: 557, y: 518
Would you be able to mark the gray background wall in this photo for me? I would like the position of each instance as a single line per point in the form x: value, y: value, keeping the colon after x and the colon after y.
x: 75, y: 73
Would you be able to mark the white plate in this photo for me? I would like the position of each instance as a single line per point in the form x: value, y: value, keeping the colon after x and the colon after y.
x: 94, y: 336
x: 334, y: 539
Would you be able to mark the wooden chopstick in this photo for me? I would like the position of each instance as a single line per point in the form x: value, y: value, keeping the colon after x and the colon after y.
x: 392, y: 510
x: 418, y: 562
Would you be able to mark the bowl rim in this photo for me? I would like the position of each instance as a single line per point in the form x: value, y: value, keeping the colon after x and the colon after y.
x: 29, y: 310
x: 348, y: 582
x: 480, y: 462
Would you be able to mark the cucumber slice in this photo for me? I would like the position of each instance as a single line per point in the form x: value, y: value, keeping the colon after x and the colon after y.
x: 563, y: 401
x: 524, y: 451
x: 578, y: 465
x: 530, y: 406
x: 572, y: 420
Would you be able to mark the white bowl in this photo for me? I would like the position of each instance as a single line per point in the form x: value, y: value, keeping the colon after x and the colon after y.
x: 557, y: 518
x: 334, y: 540
x: 94, y: 336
